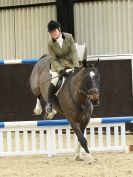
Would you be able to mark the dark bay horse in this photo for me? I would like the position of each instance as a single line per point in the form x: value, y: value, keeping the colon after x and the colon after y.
x: 76, y: 99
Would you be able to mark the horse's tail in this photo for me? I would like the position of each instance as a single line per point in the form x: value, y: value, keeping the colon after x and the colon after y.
x: 38, y: 108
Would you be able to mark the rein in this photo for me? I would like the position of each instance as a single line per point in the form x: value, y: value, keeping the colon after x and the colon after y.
x: 79, y: 90
x: 48, y: 80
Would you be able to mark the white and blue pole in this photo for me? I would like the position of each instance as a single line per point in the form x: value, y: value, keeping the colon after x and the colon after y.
x: 19, y: 61
x: 105, y: 120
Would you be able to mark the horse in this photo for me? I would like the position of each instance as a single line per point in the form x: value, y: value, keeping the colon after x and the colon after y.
x: 76, y: 99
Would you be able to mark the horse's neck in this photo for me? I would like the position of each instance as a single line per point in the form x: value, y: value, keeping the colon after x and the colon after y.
x: 79, y: 79
x: 76, y: 79
x: 77, y: 85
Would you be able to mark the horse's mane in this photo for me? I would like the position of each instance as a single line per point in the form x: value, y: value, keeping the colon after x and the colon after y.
x: 75, y: 72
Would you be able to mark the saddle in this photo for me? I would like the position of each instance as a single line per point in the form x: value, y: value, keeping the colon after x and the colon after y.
x: 61, y: 82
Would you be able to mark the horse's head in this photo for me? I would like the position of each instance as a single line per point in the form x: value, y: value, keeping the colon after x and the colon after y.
x: 92, y: 82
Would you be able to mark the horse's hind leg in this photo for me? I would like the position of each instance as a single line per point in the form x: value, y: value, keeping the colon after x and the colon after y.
x: 78, y: 155
x: 38, y: 108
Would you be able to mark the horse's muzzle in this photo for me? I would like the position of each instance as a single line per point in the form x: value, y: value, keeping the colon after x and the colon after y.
x: 94, y: 96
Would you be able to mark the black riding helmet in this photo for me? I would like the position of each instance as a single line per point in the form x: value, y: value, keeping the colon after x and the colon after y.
x: 52, y: 25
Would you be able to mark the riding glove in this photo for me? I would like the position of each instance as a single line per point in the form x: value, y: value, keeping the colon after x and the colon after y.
x: 63, y: 73
x: 76, y: 69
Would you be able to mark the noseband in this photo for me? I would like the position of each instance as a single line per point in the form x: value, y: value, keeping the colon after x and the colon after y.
x: 93, y: 90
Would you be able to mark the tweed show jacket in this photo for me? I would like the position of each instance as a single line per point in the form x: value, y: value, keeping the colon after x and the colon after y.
x: 63, y: 57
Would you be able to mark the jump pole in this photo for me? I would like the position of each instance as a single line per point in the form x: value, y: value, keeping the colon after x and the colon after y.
x: 105, y: 120
x: 19, y: 61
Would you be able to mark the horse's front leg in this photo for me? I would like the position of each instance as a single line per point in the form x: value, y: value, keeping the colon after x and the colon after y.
x: 83, y: 125
x: 79, y: 156
x: 81, y: 139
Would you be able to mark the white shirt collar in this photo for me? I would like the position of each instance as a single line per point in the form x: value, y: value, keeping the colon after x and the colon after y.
x: 60, y: 40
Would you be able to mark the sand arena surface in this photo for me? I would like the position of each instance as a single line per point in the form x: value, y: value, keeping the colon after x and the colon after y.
x: 64, y: 165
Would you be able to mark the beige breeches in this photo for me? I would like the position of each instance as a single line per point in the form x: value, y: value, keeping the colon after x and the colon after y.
x: 55, y: 77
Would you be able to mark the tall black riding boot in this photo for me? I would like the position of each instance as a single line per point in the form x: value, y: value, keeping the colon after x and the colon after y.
x: 51, y: 91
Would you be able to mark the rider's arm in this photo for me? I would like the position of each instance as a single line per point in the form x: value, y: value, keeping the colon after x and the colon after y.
x: 74, y: 53
x: 53, y: 60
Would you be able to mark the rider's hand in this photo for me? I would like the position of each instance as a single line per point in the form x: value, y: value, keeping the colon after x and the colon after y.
x: 63, y: 73
x: 76, y: 69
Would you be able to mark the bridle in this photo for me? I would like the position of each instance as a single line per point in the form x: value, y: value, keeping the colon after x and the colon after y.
x: 94, y: 90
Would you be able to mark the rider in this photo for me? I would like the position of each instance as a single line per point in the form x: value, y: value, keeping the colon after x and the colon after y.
x: 63, y: 54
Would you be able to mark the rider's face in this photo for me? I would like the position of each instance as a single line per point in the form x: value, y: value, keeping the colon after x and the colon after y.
x: 55, y: 33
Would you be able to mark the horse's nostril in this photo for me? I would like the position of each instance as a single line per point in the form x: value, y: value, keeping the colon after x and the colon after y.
x: 96, y: 103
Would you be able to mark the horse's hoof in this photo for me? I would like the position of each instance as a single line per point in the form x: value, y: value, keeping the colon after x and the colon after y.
x: 37, y: 111
x: 92, y: 162
x: 45, y: 116
x: 78, y: 158
x: 50, y: 115
x: 91, y: 159
x: 95, y: 160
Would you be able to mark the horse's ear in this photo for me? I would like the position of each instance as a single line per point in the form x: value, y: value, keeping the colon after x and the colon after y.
x: 84, y: 62
x: 96, y: 63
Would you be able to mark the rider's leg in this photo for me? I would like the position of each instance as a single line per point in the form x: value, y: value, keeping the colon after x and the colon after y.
x: 51, y: 90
